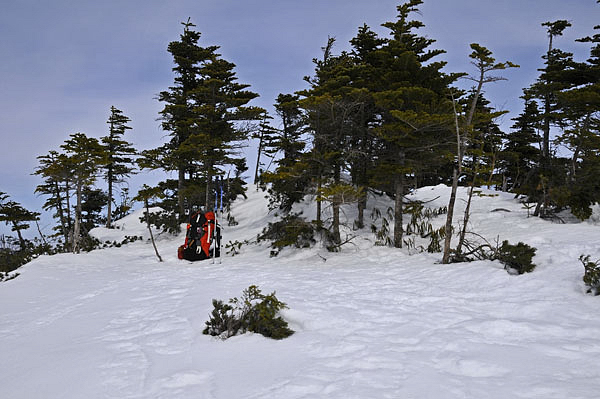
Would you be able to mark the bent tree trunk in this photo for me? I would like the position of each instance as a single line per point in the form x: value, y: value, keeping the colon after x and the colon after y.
x: 448, y: 227
x: 150, y: 230
x: 398, y: 210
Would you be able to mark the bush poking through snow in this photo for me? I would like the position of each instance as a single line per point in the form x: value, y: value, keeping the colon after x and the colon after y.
x: 516, y: 258
x: 7, y: 276
x: 254, y: 312
x: 591, y: 277
x: 292, y: 230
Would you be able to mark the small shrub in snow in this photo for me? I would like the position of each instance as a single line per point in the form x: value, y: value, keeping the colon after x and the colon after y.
x: 517, y: 259
x: 591, y: 277
x: 292, y: 230
x: 7, y: 276
x: 254, y: 312
x: 125, y: 241
x: 233, y: 248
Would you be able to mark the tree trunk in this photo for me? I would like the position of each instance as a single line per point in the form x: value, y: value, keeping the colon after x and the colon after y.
x: 260, y: 143
x: 77, y: 228
x: 180, y: 198
x: 336, y: 208
x: 59, y: 209
x: 398, y: 210
x: 362, y: 205
x: 150, y: 230
x: 21, y: 239
x: 463, y: 232
x: 449, y: 215
x: 69, y: 219
x: 110, y: 197
x: 208, y: 197
x: 319, y: 201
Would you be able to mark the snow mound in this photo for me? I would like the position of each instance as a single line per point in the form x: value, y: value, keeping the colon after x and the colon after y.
x: 129, y: 226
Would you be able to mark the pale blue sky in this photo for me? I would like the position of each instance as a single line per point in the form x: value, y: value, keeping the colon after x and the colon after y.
x: 65, y: 62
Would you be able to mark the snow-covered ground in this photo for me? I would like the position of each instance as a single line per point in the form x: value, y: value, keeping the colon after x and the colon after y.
x: 370, y: 322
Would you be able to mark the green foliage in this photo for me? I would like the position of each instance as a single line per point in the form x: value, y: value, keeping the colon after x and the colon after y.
x: 382, y: 232
x: 166, y: 221
x: 202, y: 113
x: 418, y: 228
x: 591, y: 276
x: 125, y: 241
x: 254, y: 312
x: 7, y: 276
x: 119, y: 155
x: 517, y: 259
x: 291, y: 230
x: 223, y: 321
x: 234, y: 247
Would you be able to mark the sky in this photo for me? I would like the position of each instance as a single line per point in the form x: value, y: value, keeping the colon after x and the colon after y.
x: 66, y: 62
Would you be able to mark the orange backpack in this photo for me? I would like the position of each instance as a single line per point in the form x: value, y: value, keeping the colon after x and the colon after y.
x: 202, y: 238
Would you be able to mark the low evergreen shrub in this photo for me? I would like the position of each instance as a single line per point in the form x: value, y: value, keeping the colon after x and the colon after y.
x: 517, y: 259
x: 591, y: 276
x: 8, y: 276
x: 290, y: 231
x: 254, y: 312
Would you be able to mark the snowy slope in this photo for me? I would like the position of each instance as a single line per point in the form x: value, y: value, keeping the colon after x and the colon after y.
x: 371, y: 322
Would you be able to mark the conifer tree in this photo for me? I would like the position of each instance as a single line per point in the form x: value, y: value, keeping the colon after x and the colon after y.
x: 265, y: 135
x: 331, y: 108
x: 522, y: 151
x: 415, y: 110
x: 85, y: 156
x: 484, y: 64
x: 549, y: 82
x: 579, y: 108
x: 366, y: 52
x: 289, y: 180
x: 119, y: 155
x: 202, y: 112
x: 178, y: 115
x: 55, y: 170
x: 15, y: 215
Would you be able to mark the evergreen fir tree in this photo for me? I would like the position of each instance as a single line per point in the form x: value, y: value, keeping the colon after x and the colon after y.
x: 84, y: 156
x: 119, y: 155
x: 17, y: 217
x: 579, y: 109
x: 415, y: 110
x: 55, y: 170
x: 331, y: 107
x: 288, y: 181
x: 178, y: 116
x: 522, y: 151
x: 202, y: 112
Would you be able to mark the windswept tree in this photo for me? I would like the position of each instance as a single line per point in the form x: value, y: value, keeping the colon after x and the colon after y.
x: 17, y: 217
x: 579, y: 109
x: 85, y: 156
x: 549, y: 82
x: 119, y: 155
x: 288, y: 180
x: 55, y: 169
x: 485, y: 64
